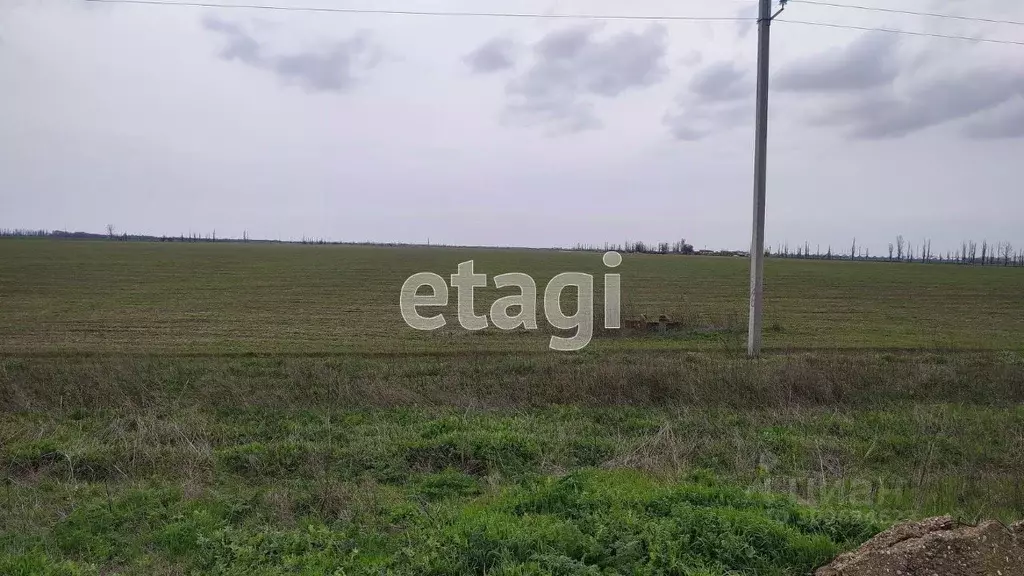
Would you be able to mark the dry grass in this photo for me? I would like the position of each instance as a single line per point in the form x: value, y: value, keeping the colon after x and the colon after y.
x: 515, y: 380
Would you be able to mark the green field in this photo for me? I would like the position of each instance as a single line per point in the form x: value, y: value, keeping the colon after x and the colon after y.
x: 170, y: 298
x: 255, y: 408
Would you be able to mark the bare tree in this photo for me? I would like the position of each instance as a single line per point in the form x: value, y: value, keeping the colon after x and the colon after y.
x: 111, y: 231
x: 853, y: 249
x: 1007, y: 252
x: 890, y: 251
x: 984, y: 251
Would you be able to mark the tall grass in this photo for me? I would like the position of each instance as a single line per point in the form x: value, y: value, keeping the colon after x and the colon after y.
x: 648, y: 377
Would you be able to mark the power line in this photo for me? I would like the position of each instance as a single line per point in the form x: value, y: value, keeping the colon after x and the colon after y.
x: 428, y: 13
x: 907, y: 12
x: 898, y: 31
x: 590, y: 16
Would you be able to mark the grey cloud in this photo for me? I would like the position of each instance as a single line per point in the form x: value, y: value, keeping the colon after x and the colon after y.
x: 953, y: 97
x: 566, y: 43
x: 628, y: 61
x: 240, y: 46
x: 749, y: 15
x: 1000, y: 125
x: 881, y: 93
x: 493, y: 56
x: 718, y: 97
x: 333, y: 69
x: 721, y: 81
x: 693, y: 58
x: 868, y: 62
x: 690, y: 123
x: 572, y: 66
x: 683, y: 129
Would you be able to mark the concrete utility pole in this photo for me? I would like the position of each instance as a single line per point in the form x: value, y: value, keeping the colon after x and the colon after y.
x: 764, y: 20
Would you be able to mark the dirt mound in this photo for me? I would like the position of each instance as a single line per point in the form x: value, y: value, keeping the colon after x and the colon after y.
x: 936, y: 547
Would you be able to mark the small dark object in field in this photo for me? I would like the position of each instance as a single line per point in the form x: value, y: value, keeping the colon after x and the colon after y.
x: 661, y: 325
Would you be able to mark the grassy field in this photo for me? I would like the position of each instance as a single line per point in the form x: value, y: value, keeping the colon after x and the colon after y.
x: 547, y: 491
x: 111, y: 297
x: 262, y: 409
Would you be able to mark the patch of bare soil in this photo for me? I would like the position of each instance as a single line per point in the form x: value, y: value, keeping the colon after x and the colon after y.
x: 936, y: 547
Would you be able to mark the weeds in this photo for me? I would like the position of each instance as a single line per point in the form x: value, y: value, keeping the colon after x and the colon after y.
x: 841, y: 379
x: 203, y: 409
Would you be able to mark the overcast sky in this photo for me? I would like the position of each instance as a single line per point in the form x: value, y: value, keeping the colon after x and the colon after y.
x: 504, y: 131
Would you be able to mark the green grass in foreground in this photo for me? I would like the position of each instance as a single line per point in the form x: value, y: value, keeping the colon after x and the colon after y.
x: 543, y: 491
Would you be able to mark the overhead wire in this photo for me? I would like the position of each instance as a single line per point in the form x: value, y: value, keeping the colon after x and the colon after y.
x: 901, y: 31
x: 584, y: 16
x: 538, y: 15
x: 906, y: 12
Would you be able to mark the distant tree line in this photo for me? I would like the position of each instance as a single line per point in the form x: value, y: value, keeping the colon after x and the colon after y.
x: 113, y: 234
x: 639, y: 247
x: 998, y: 254
x: 969, y: 252
x: 23, y: 233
